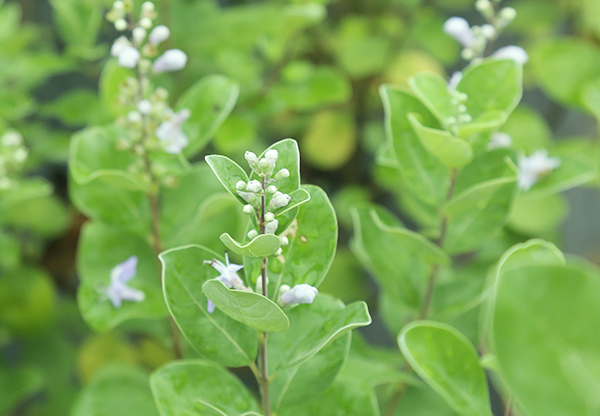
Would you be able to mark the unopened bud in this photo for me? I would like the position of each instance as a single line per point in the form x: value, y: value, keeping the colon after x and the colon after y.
x: 282, y: 174
x: 507, y: 14
x: 248, y: 209
x: 299, y: 294
x: 284, y: 240
x: 148, y: 6
x: 272, y: 155
x: 271, y: 189
x: 146, y: 22
x: 279, y: 252
x: 159, y: 34
x: 254, y: 186
x: 129, y: 57
x: 118, y: 5
x: 251, y: 158
x: 280, y: 200
x: 171, y: 60
x: 269, y: 216
x: 252, y: 234
x: 240, y: 185
x: 120, y: 24
x: 271, y: 227
x: 144, y: 107
x: 138, y: 34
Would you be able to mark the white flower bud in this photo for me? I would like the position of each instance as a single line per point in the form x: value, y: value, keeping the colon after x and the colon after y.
x: 282, y: 174
x: 250, y: 198
x: 269, y: 216
x: 254, y: 186
x: 240, y: 185
x: 284, y: 288
x: 129, y: 57
x: 118, y: 5
x: 251, y: 158
x: 248, y: 209
x: 148, y: 6
x: 138, y: 34
x: 280, y: 200
x: 488, y: 31
x: 144, y: 107
x: 465, y: 118
x: 279, y: 252
x: 265, y: 167
x: 299, y: 294
x: 271, y: 189
x: 507, y: 14
x: 284, y: 240
x: 516, y: 53
x: 467, y: 54
x: 483, y: 5
x: 146, y: 22
x: 271, y: 227
x: 119, y: 45
x: 20, y: 154
x: 159, y: 34
x: 271, y: 155
x: 459, y: 29
x: 533, y: 168
x: 12, y: 139
x: 252, y: 234
x: 171, y: 60
x: 134, y: 117
x: 499, y: 140
x: 120, y: 24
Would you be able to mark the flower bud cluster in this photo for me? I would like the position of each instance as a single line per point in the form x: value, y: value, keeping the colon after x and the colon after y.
x: 256, y: 193
x: 13, y: 155
x: 475, y: 39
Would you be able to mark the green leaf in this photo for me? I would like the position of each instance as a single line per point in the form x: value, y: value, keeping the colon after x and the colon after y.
x: 101, y: 248
x: 116, y: 389
x: 341, y: 399
x: 228, y: 172
x: 18, y: 384
x: 262, y: 246
x: 310, y: 379
x: 487, y: 122
x: 210, y: 101
x: 432, y: 90
x: 253, y: 309
x: 200, y: 388
x: 423, y: 401
x: 312, y: 328
x: 93, y: 153
x: 215, y: 336
x: 451, y: 151
x: 24, y: 191
x: 78, y: 23
x: 546, y: 352
x: 421, y: 171
x: 449, y: 363
x: 111, y: 80
x: 484, y: 192
x: 574, y: 170
x: 312, y: 247
x: 528, y: 130
x: 492, y: 85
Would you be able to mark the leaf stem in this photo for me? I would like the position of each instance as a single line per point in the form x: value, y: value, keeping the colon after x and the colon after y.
x: 263, y: 380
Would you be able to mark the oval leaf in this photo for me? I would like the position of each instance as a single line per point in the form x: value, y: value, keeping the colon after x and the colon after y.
x: 264, y: 245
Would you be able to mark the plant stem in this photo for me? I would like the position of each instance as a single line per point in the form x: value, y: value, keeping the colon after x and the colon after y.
x: 263, y: 380
x: 395, y: 400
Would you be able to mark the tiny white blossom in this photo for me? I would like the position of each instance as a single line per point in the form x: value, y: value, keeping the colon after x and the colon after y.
x: 171, y: 60
x: 144, y: 107
x: 118, y: 45
x: 252, y: 234
x: 12, y: 138
x: 138, y: 34
x: 254, y: 186
x: 271, y: 227
x: 129, y: 57
x: 459, y: 29
x: 279, y: 200
x: 134, y: 117
x: 248, y: 209
x: 516, y: 53
x: 271, y: 189
x: 299, y: 294
x: 269, y: 216
x: 507, y: 14
x: 148, y: 6
x: 533, y: 168
x: 118, y: 5
x: 228, y: 276
x: 20, y: 155
x: 171, y: 134
x: 146, y: 22
x: 240, y: 185
x: 118, y: 291
x: 489, y: 31
x: 251, y: 158
x: 279, y: 252
x: 159, y: 34
x: 120, y: 24
x: 282, y: 174
x: 284, y: 240
x: 499, y: 140
x: 272, y: 155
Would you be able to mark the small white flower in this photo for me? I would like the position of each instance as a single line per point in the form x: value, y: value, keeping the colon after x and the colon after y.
x: 454, y: 81
x: 228, y: 276
x: 240, y: 185
x: 254, y: 186
x: 483, y: 5
x: 299, y: 294
x: 282, y: 174
x: 284, y: 240
x: 271, y: 189
x: 146, y: 22
x: 144, y: 107
x: 248, y: 209
x: 129, y: 57
x: 516, y: 53
x: 159, y: 34
x: 251, y: 158
x: 171, y: 60
x: 118, y: 5
x: 271, y: 227
x: 279, y: 200
x: 272, y: 155
x: 252, y: 234
x: 118, y: 291
x: 118, y: 45
x: 120, y: 24
x: 533, y: 168
x: 499, y: 140
x: 138, y: 34
x: 489, y: 31
x: 459, y: 29
x: 12, y: 139
x: 171, y: 134
x: 148, y: 6
x: 269, y: 216
x: 507, y: 14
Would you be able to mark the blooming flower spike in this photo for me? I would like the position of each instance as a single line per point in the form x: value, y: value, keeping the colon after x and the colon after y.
x: 118, y: 291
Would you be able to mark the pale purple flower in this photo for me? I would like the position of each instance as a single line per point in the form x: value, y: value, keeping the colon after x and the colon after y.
x: 118, y: 291
x: 228, y: 276
x: 171, y: 134
x: 299, y: 294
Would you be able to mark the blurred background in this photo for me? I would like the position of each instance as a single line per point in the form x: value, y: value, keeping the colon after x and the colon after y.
x: 308, y: 70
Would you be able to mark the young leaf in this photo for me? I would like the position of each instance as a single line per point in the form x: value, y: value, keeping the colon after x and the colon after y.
x: 312, y: 327
x: 421, y: 171
x: 116, y: 389
x: 432, y: 90
x: 546, y: 352
x: 251, y: 308
x: 494, y: 84
x: 215, y: 336
x: 264, y: 245
x: 451, y: 151
x: 111, y: 78
x: 449, y: 363
x: 200, y: 388
x: 101, y: 248
x: 228, y: 172
x: 487, y: 122
x: 210, y: 100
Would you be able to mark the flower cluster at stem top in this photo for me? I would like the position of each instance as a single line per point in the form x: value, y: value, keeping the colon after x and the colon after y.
x: 255, y: 192
x: 13, y: 155
x: 151, y: 123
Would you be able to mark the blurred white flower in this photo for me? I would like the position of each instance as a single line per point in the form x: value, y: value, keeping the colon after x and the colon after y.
x: 159, y: 34
x: 299, y: 294
x: 171, y: 60
x: 118, y: 45
x: 499, y: 140
x: 129, y: 57
x: 118, y: 291
x: 454, y: 81
x: 516, y: 53
x: 459, y: 29
x: 171, y: 134
x: 533, y: 168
